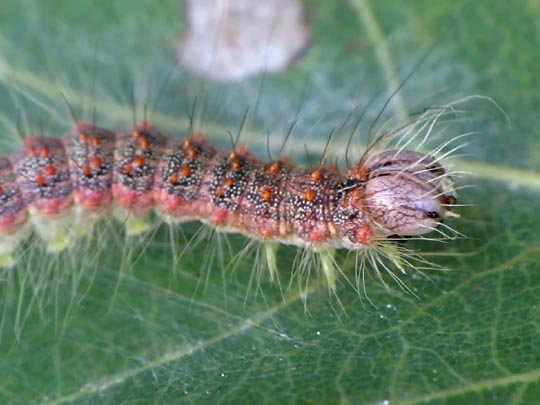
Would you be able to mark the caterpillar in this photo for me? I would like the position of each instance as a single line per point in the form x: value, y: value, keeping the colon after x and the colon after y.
x: 59, y: 188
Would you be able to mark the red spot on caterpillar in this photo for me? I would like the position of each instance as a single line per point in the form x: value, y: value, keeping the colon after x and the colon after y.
x: 192, y: 153
x: 310, y: 195
x: 274, y: 168
x: 229, y: 182
x: 317, y: 235
x: 97, y: 161
x: 186, y: 170
x: 268, y: 232
x: 316, y: 175
x: 44, y: 152
x: 40, y: 180
x: 220, y: 216
x: 236, y: 165
x: 84, y: 137
x: 128, y: 168
x: 50, y: 170
x: 87, y: 170
x: 139, y: 161
x: 266, y: 194
x: 144, y: 143
x: 364, y: 235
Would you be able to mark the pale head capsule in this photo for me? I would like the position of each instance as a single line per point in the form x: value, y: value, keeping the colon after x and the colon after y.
x: 407, y: 193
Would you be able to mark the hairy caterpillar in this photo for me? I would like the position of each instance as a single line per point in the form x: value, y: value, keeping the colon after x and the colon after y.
x: 60, y: 187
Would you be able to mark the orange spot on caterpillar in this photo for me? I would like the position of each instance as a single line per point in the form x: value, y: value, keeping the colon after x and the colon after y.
x: 144, y: 143
x: 219, y: 216
x: 316, y: 175
x: 266, y: 194
x: 96, y: 142
x: 50, y: 170
x: 186, y: 170
x: 188, y: 144
x: 84, y: 137
x: 137, y: 135
x: 235, y: 164
x: 275, y: 167
x: 356, y: 193
x: 233, y: 156
x: 363, y: 234
x: 310, y: 195
x: 229, y: 181
x: 31, y: 150
x: 192, y: 153
x: 219, y: 192
x: 268, y: 233
x: 40, y: 180
x: 44, y: 152
x: 87, y: 170
x: 174, y: 178
x: 353, y: 196
x: 1, y: 190
x: 317, y: 236
x: 139, y: 161
x: 97, y: 161
x: 359, y: 172
x: 128, y: 168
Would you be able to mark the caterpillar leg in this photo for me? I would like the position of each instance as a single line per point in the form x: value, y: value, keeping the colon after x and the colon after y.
x: 54, y: 232
x: 7, y: 260
x: 135, y: 225
x: 8, y: 245
x: 270, y: 251
x: 328, y: 266
x: 393, y: 254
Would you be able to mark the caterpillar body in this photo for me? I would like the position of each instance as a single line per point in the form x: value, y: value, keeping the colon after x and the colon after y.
x: 60, y: 187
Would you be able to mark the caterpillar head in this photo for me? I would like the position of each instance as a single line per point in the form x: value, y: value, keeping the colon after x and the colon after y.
x: 408, y: 193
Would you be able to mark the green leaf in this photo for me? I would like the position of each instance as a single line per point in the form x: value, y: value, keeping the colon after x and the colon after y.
x: 118, y: 320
